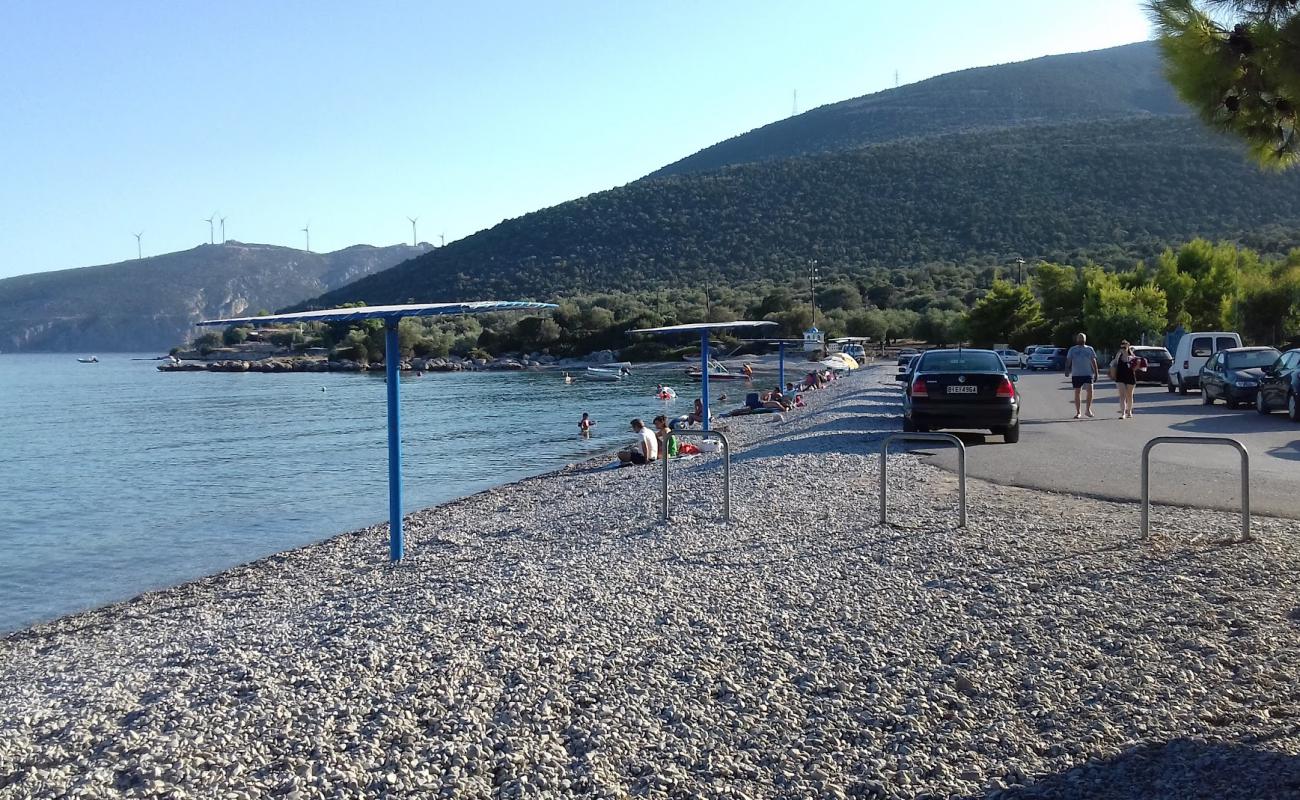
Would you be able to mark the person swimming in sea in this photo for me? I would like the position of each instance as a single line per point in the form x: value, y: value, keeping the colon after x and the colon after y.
x: 586, y: 424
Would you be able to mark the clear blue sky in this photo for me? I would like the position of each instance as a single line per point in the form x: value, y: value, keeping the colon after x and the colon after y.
x: 117, y: 117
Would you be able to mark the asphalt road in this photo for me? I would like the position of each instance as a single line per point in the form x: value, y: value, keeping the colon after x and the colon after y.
x: 1102, y: 456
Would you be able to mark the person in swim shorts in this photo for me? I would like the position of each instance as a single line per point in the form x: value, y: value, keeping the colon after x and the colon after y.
x: 1081, y: 369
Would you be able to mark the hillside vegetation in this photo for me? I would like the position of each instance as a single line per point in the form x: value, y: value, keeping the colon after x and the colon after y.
x: 1111, y: 191
x: 1117, y: 82
x: 150, y: 304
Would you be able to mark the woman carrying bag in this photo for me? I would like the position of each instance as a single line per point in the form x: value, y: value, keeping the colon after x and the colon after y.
x: 1124, y: 369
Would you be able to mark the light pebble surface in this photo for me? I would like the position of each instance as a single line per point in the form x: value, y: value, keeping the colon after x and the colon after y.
x: 552, y: 638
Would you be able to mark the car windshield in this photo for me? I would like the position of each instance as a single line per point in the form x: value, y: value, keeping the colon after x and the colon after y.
x: 1152, y: 352
x: 961, y: 361
x: 1251, y: 358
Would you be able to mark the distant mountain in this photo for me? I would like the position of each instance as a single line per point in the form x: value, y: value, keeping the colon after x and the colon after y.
x: 1104, y: 189
x: 1114, y: 83
x: 151, y: 304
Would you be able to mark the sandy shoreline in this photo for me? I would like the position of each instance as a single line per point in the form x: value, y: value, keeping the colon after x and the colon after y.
x: 551, y: 638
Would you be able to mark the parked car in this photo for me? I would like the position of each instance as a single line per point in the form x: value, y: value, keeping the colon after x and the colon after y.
x: 1233, y: 375
x: 1048, y: 358
x: 1280, y: 386
x: 1194, y: 351
x: 1158, y: 362
x: 961, y: 389
x: 1010, y: 357
x: 905, y: 371
x: 905, y: 355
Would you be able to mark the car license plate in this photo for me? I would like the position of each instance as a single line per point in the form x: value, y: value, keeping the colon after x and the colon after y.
x: 963, y: 389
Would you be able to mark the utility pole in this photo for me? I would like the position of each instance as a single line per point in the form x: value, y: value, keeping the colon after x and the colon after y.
x: 812, y: 283
x: 1020, y: 272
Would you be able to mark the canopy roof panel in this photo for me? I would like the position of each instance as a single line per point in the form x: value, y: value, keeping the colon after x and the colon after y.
x: 706, y: 326
x: 385, y: 312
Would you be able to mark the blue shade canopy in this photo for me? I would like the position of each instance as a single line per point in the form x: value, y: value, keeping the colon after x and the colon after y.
x: 385, y: 312
x: 698, y: 327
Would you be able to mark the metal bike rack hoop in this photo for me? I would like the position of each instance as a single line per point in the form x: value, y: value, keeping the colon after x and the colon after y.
x: 922, y: 437
x: 1221, y: 440
x: 726, y: 469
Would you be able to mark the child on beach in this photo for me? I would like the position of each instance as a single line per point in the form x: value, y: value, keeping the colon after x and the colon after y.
x: 586, y: 424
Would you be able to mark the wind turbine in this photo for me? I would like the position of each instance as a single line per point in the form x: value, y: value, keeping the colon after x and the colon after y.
x: 138, y: 255
x: 212, y: 236
x: 307, y: 230
x: 223, y: 230
x: 442, y: 240
x: 413, y: 239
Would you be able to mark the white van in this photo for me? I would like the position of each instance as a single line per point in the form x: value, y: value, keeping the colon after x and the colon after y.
x: 1194, y: 349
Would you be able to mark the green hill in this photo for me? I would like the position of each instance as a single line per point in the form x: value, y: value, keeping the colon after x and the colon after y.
x: 1104, y: 84
x: 1114, y: 190
x: 151, y: 304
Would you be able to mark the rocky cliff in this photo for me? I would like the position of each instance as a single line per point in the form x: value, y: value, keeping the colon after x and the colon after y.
x: 151, y: 304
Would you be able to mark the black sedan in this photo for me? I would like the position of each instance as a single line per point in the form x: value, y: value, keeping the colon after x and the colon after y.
x: 1233, y: 375
x: 1158, y: 362
x: 961, y: 389
x: 1280, y: 386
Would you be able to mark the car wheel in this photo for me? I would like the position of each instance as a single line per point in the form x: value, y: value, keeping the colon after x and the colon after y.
x: 1261, y: 405
x: 1232, y: 404
x: 1182, y: 387
x: 1206, y: 400
x: 1011, y: 435
x: 1292, y: 407
x: 1169, y: 384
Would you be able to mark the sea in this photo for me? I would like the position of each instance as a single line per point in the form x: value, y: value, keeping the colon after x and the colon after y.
x: 116, y: 478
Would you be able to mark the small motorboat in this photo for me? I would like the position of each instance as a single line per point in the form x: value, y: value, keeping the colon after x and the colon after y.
x: 717, y: 372
x: 604, y: 375
x: 91, y: 360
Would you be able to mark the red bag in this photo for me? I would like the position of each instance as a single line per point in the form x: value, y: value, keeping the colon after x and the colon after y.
x: 688, y: 449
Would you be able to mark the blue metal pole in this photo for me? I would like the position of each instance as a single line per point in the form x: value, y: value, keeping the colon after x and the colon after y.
x: 704, y: 377
x: 392, y: 355
x: 780, y: 348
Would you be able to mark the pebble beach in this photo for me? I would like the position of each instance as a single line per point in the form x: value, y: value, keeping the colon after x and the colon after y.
x: 554, y: 638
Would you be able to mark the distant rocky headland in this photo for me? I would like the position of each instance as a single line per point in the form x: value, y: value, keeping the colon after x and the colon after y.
x: 220, y: 361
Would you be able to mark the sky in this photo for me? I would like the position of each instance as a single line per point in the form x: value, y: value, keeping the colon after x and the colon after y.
x: 139, y: 116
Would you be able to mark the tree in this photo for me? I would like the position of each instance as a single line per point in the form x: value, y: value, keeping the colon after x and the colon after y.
x: 1237, y: 63
x: 1006, y: 314
x: 1060, y: 292
x: 234, y: 335
x: 1177, y: 287
x: 840, y: 295
x: 1112, y: 312
x: 941, y: 327
x: 207, y: 342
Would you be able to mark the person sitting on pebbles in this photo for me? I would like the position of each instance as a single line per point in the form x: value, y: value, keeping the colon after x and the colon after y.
x: 646, y: 448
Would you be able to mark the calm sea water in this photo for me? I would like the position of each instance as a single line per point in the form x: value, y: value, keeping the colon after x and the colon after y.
x: 116, y: 478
